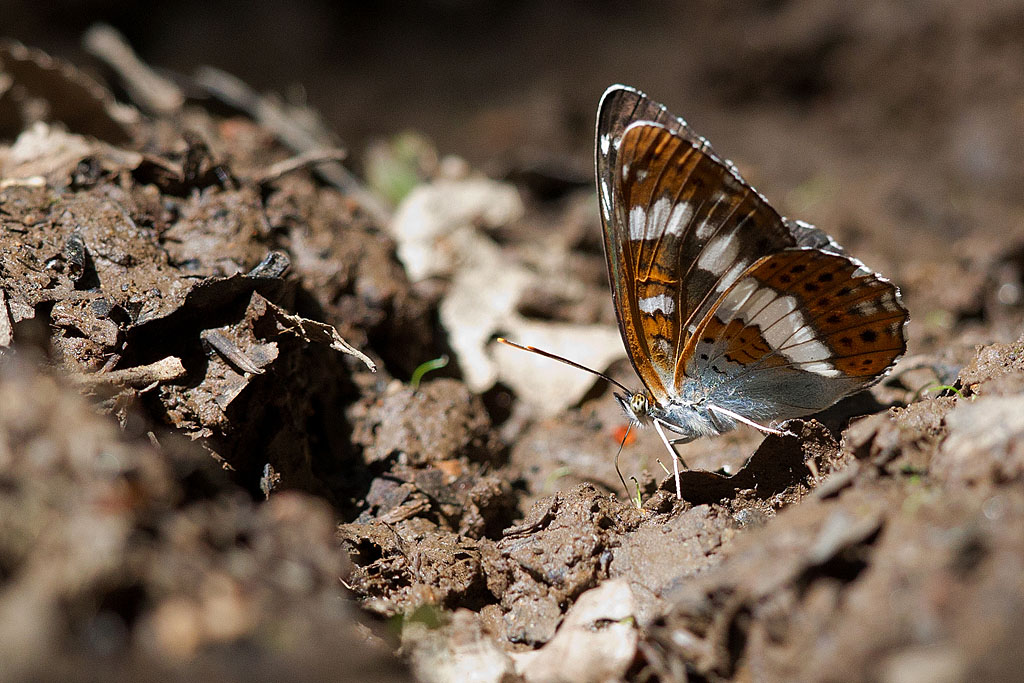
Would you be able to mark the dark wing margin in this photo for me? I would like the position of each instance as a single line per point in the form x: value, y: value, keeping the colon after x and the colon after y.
x: 620, y: 106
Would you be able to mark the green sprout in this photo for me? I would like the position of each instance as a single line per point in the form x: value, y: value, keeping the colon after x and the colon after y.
x: 424, y: 368
x: 937, y: 389
x: 394, y: 168
x: 555, y: 475
x: 638, y: 501
x: 427, y: 616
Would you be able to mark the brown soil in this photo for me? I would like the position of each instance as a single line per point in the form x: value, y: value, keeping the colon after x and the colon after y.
x: 214, y: 463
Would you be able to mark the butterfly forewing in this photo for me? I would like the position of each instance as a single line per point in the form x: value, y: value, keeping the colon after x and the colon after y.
x: 683, y: 230
x: 621, y: 106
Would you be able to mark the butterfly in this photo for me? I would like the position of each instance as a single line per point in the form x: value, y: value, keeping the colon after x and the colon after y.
x: 729, y: 312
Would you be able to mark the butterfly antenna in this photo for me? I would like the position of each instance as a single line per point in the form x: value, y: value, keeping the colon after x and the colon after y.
x: 552, y: 356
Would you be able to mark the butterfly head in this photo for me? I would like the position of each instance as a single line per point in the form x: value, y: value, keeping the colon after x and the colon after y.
x: 636, y: 405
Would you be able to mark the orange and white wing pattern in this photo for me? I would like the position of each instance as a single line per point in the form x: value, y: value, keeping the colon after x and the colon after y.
x: 722, y: 302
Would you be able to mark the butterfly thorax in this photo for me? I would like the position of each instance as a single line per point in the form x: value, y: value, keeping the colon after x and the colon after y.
x: 689, y: 419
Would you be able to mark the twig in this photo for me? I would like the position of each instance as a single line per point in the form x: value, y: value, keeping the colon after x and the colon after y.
x: 230, y: 352
x: 310, y: 158
x: 148, y: 89
x: 165, y: 370
x: 321, y: 333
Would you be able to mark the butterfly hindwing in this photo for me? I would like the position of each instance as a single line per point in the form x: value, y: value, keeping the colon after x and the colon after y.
x: 798, y: 331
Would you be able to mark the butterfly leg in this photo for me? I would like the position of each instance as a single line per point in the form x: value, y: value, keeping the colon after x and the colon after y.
x: 675, y: 458
x: 674, y: 443
x: 759, y: 427
x: 783, y: 428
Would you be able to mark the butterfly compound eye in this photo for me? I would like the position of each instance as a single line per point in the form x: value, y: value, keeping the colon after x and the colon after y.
x: 638, y: 404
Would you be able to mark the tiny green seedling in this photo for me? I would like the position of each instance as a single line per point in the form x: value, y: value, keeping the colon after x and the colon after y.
x: 913, y: 471
x: 555, y: 475
x: 430, y: 617
x: 937, y: 389
x: 638, y: 501
x: 424, y: 368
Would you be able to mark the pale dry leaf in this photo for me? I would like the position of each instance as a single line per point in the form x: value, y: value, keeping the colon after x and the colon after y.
x: 596, y: 642
x: 547, y: 385
x: 432, y: 222
x: 438, y: 232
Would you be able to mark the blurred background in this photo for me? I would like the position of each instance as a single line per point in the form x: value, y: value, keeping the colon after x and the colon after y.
x: 872, y: 119
x: 899, y: 127
x: 932, y: 81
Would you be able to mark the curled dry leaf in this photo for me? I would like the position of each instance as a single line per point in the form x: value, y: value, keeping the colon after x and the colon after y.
x: 316, y: 333
x: 45, y: 154
x: 44, y: 88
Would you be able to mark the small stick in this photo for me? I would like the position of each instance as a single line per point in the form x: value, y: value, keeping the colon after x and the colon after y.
x: 165, y: 370
x: 230, y: 352
x: 308, y: 158
x: 148, y: 89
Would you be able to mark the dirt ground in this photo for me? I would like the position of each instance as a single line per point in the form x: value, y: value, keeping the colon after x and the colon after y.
x: 231, y: 446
